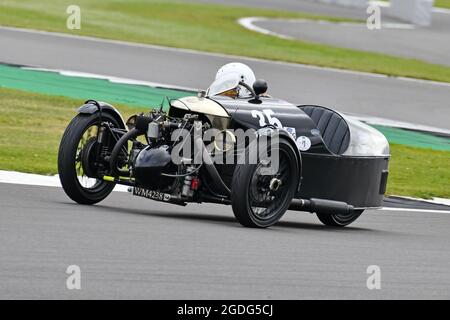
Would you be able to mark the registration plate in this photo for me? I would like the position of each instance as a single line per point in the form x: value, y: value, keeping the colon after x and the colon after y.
x: 151, y: 194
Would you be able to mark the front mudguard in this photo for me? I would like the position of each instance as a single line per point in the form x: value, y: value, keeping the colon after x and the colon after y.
x: 93, y: 106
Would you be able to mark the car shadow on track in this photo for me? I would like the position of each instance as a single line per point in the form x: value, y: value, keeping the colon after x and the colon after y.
x: 230, y: 221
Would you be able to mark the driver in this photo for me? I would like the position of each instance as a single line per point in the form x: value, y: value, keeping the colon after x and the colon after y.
x: 245, y: 75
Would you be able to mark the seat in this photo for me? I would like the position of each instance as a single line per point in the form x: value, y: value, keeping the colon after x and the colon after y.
x: 332, y: 126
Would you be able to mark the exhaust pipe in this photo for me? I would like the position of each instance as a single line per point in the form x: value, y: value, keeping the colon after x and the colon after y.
x: 216, y: 180
x: 118, y: 148
x: 322, y: 206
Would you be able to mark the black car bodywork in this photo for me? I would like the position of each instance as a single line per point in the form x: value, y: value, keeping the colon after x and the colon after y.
x: 328, y: 170
x: 339, y: 165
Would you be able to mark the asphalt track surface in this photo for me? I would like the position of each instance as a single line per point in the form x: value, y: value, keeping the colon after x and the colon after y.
x: 431, y: 44
x: 308, y: 6
x: 319, y: 8
x: 419, y: 43
x: 397, y: 99
x: 130, y: 247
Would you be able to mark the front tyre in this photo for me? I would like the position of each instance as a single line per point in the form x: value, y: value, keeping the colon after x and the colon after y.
x: 259, y: 201
x: 339, y: 220
x: 78, y: 139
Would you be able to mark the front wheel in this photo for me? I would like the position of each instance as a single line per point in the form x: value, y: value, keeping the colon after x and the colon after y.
x: 260, y: 200
x: 339, y: 220
x: 76, y: 162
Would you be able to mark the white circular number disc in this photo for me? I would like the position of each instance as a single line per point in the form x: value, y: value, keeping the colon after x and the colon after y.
x: 303, y: 143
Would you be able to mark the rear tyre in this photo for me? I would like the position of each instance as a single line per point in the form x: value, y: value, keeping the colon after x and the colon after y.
x: 339, y: 220
x: 79, y: 138
x: 259, y: 201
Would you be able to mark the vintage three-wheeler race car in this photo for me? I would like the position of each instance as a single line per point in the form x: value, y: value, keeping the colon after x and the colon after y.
x: 326, y: 163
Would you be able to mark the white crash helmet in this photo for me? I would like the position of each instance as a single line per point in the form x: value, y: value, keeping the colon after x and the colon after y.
x: 244, y: 73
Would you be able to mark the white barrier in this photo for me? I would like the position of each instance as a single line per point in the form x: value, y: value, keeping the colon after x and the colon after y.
x: 418, y: 12
x: 353, y: 3
x: 348, y: 3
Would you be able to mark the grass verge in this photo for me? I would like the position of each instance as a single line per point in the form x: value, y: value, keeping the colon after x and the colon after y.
x: 442, y: 4
x: 206, y: 27
x: 31, y: 126
x: 417, y: 172
x: 437, y: 3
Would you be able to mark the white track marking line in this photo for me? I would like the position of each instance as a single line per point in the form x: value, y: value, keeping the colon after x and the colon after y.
x: 397, y: 124
x: 112, y: 79
x: 222, y: 55
x: 442, y: 201
x: 415, y: 210
x: 441, y: 10
x: 248, y: 23
x: 30, y: 179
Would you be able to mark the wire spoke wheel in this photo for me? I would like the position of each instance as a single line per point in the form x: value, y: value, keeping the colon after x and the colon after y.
x: 77, y: 159
x: 88, y: 137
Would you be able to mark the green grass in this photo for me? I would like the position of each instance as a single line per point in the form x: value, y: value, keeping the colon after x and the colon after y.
x: 437, y: 3
x: 442, y: 3
x: 418, y: 172
x: 206, y: 27
x: 31, y: 126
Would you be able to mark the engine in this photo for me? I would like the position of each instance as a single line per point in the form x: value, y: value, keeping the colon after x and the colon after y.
x: 152, y: 164
x: 152, y: 168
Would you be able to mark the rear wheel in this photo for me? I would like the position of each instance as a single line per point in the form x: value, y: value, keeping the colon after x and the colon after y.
x: 258, y: 200
x: 76, y: 160
x: 339, y: 220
